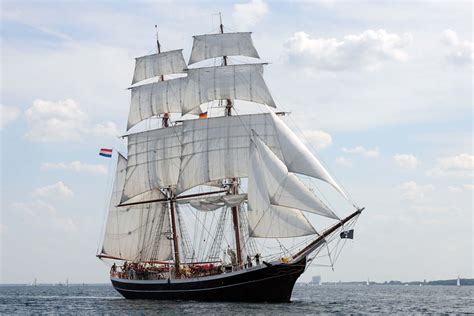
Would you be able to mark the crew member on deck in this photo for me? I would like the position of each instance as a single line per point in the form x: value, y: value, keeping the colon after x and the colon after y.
x: 249, y: 261
x: 257, y: 259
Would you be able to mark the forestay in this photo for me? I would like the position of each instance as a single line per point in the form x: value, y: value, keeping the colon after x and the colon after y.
x: 267, y: 220
x: 135, y: 233
x: 153, y: 161
x: 241, y: 82
x: 171, y: 62
x: 218, y: 45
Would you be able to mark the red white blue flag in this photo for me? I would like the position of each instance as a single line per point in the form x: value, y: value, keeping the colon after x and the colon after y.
x: 105, y: 152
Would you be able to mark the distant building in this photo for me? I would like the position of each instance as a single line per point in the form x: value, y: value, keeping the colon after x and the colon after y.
x: 316, y: 280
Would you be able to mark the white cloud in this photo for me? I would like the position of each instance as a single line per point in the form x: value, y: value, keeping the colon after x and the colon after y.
x: 367, y: 50
x: 414, y: 192
x: 62, y: 121
x: 75, y: 166
x: 317, y: 139
x: 247, y: 15
x: 8, y: 114
x: 44, y: 215
x: 458, y: 52
x: 360, y: 150
x: 57, y: 190
x: 344, y: 161
x: 406, y: 161
x: 454, y: 166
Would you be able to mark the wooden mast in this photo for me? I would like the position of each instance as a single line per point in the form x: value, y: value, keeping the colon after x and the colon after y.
x: 171, y: 195
x: 174, y: 232
x: 234, y: 188
x: 166, y: 116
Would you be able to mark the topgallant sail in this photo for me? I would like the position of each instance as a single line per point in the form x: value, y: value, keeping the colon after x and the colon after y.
x: 196, y: 201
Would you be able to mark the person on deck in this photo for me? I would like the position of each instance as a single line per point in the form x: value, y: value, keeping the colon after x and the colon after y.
x: 249, y: 261
x: 257, y: 259
x: 113, y: 269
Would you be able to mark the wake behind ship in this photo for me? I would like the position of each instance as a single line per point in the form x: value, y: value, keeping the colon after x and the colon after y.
x: 212, y: 206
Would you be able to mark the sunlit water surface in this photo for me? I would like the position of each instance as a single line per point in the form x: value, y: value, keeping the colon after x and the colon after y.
x: 102, y: 299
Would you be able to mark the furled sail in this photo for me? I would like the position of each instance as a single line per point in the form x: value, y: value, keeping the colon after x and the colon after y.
x: 217, y: 148
x: 171, y: 62
x: 283, y: 187
x: 156, y: 98
x: 265, y: 219
x: 218, y: 45
x: 241, y: 82
x: 153, y: 161
x: 213, y: 203
x: 135, y: 233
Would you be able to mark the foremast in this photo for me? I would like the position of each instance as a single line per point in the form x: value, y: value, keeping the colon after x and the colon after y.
x: 169, y: 192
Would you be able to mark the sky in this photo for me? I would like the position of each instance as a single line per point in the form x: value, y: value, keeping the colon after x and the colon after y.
x: 380, y: 90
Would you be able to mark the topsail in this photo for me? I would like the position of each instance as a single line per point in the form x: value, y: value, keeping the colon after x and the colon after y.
x: 155, y: 65
x: 218, y: 45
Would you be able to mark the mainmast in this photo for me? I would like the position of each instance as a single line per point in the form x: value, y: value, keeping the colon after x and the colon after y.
x: 175, y: 236
x: 235, y: 184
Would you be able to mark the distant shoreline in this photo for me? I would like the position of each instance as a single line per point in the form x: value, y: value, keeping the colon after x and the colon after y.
x: 452, y: 282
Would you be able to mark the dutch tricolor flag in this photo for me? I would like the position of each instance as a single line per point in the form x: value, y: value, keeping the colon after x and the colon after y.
x: 105, y: 152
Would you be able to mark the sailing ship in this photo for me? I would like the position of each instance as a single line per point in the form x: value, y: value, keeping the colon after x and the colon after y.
x: 230, y: 180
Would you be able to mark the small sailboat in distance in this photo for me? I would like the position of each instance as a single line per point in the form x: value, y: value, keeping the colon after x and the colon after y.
x: 368, y: 282
x: 458, y: 282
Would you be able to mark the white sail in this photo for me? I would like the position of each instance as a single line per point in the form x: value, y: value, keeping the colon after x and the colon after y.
x: 153, y: 161
x: 218, y: 148
x: 265, y: 219
x: 156, y: 98
x: 298, y: 158
x: 171, y: 62
x: 284, y: 188
x: 241, y: 82
x: 218, y: 45
x: 135, y: 233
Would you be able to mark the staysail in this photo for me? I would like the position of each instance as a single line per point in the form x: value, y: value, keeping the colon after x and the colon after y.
x: 136, y: 233
x: 266, y: 219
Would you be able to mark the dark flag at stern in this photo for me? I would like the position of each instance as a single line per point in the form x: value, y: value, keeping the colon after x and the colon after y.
x: 349, y: 234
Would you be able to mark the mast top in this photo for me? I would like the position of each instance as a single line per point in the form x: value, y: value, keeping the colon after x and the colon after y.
x: 220, y: 23
x: 157, y: 39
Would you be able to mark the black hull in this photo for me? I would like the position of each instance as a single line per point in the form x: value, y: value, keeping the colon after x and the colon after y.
x: 264, y: 283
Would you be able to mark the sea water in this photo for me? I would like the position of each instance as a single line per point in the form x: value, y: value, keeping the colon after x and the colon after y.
x: 306, y: 299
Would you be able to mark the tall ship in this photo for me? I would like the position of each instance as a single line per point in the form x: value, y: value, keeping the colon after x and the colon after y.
x: 211, y: 204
